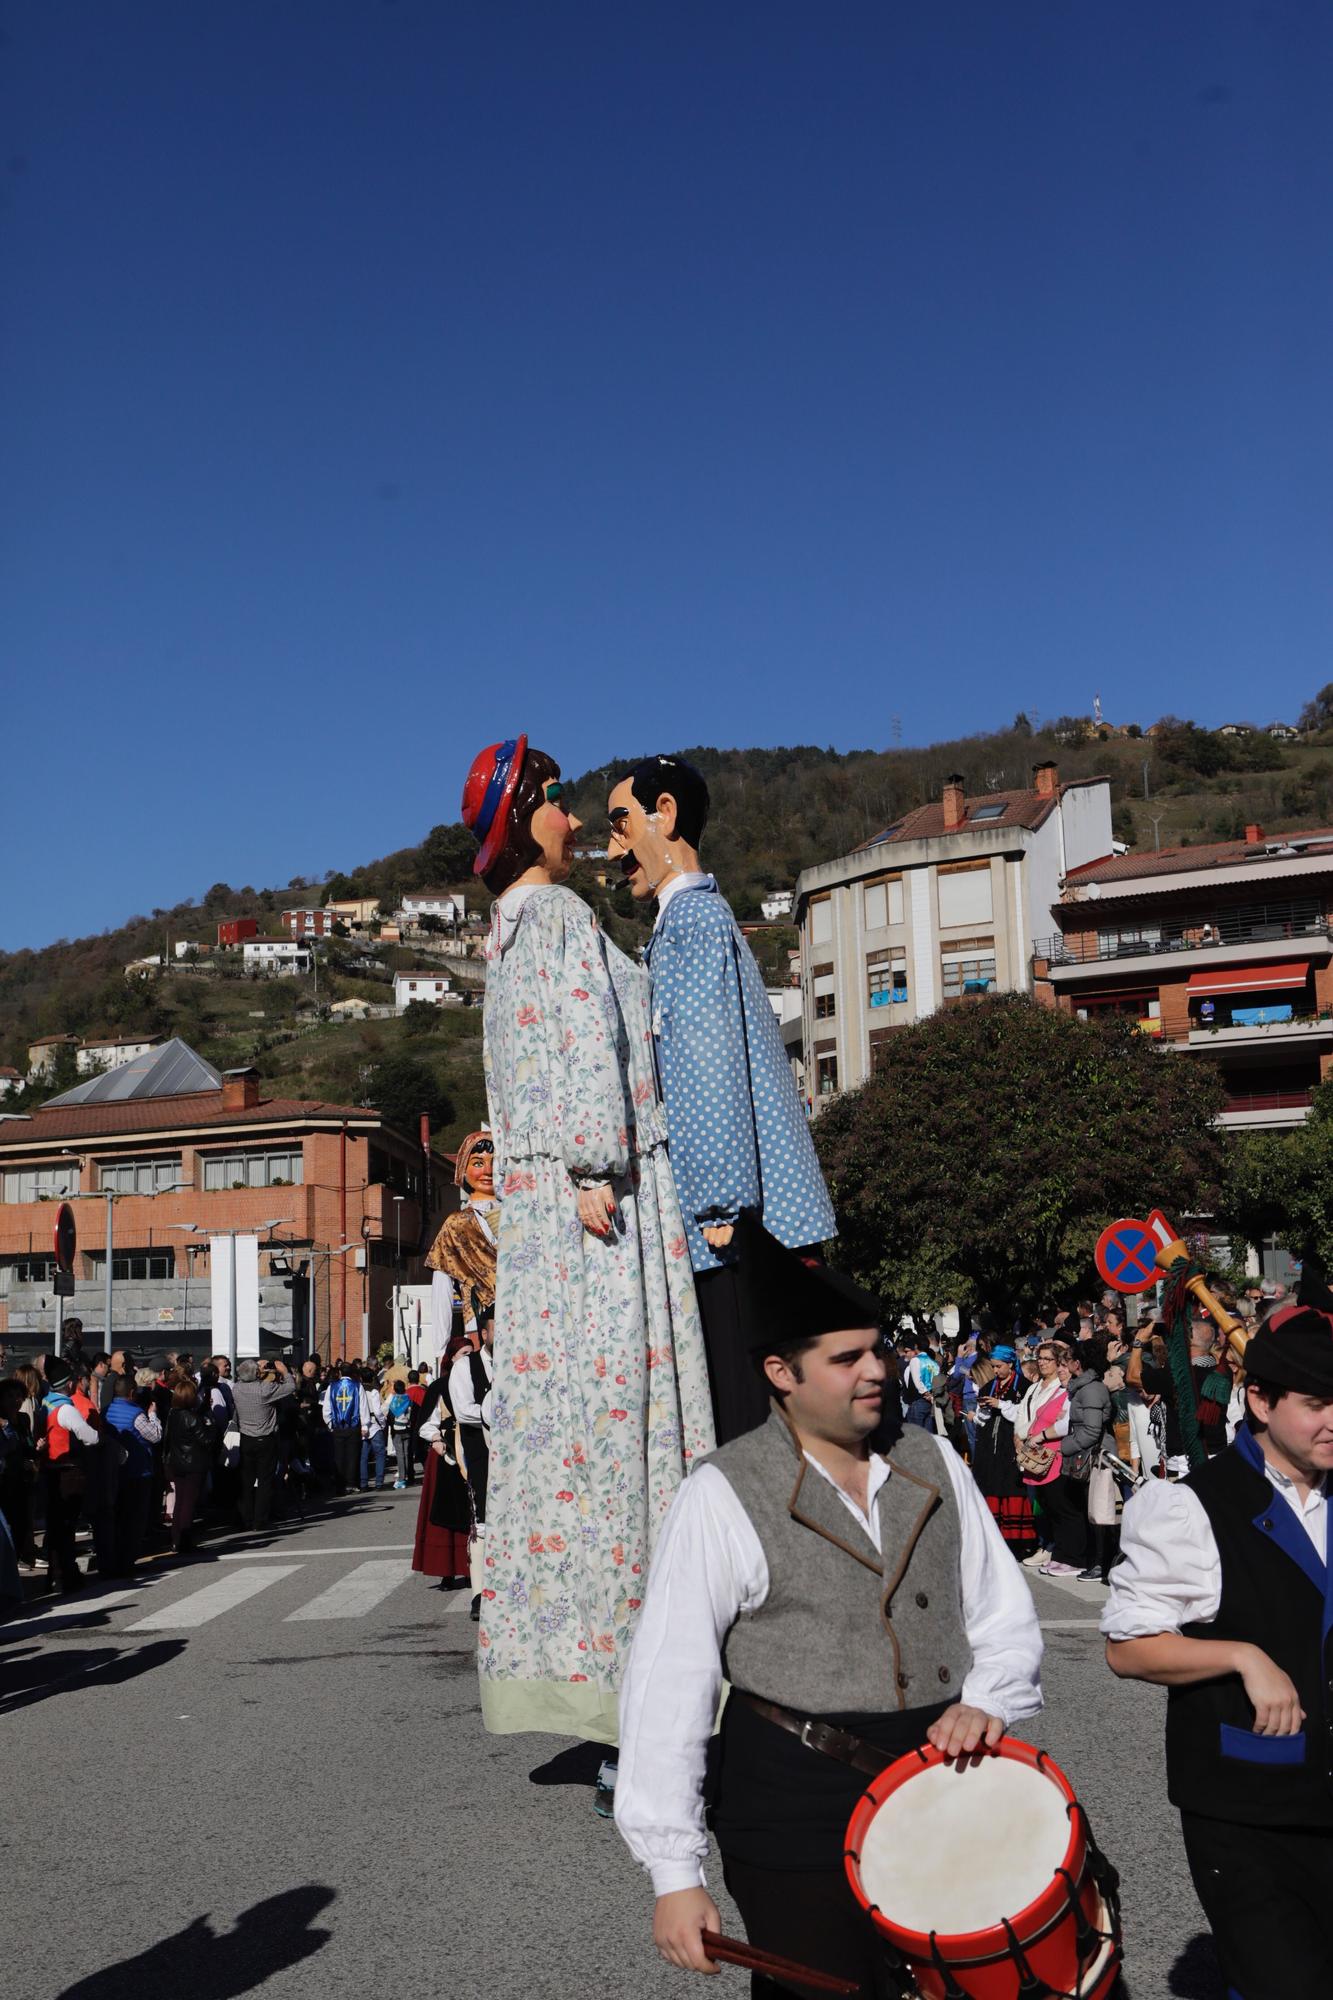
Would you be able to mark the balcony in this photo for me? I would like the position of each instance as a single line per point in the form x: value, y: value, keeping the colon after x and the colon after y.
x: 1278, y: 928
x: 1303, y: 1024
x: 1266, y: 1110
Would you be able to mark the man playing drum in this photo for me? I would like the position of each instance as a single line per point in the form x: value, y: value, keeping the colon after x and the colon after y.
x: 860, y: 1602
x: 1225, y: 1596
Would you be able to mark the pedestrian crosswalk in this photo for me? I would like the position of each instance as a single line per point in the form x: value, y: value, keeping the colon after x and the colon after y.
x: 355, y: 1594
x: 182, y: 1601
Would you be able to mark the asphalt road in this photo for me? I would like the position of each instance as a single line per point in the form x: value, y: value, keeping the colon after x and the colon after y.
x: 264, y: 1772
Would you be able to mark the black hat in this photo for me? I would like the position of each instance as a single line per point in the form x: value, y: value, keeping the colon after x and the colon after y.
x: 55, y: 1370
x: 785, y: 1298
x: 1293, y: 1349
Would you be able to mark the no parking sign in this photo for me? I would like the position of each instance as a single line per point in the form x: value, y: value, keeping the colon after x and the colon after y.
x: 1126, y: 1253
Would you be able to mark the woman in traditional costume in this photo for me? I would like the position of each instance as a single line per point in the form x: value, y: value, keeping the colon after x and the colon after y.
x: 463, y: 1260
x: 994, y: 1459
x: 601, y: 1398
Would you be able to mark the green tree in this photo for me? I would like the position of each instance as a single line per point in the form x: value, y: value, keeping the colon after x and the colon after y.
x: 401, y: 1088
x: 982, y: 1160
x: 446, y: 855
x: 420, y: 1017
x: 1281, y: 1184
x: 1318, y: 713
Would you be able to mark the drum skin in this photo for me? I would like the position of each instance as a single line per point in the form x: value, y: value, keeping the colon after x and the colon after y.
x: 981, y: 1962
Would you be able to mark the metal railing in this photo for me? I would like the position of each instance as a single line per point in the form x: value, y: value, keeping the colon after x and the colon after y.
x: 1287, y: 922
x: 1269, y: 1100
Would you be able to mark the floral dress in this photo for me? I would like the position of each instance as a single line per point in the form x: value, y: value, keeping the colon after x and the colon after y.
x: 601, y: 1400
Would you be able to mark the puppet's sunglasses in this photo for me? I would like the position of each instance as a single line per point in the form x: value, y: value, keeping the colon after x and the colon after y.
x: 618, y: 816
x: 553, y: 793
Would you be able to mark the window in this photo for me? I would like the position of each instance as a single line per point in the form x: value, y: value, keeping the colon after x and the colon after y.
x: 34, y: 1183
x: 256, y: 1170
x: 883, y: 903
x: 134, y: 1266
x: 981, y: 815
x: 25, y: 1271
x: 826, y: 1075
x: 886, y: 977
x: 880, y: 1038
x: 965, y: 896
x: 968, y: 969
x: 826, y: 998
x: 141, y: 1176
x: 821, y: 921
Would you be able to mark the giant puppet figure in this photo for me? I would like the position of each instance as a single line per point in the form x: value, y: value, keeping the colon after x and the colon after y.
x: 463, y: 1254
x: 739, y: 1136
x: 600, y: 1399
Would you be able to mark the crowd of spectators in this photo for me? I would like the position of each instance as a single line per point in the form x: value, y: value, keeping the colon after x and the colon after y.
x: 134, y: 1458
x: 1063, y: 1415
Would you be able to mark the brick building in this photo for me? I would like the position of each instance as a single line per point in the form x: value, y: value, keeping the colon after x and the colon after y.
x: 307, y: 923
x: 234, y: 930
x: 177, y: 1144
x: 1223, y: 953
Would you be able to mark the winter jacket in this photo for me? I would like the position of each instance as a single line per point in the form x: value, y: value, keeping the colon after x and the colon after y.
x: 1089, y: 1419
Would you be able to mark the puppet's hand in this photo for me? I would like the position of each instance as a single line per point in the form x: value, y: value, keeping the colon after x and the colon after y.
x: 717, y: 1235
x: 597, y: 1205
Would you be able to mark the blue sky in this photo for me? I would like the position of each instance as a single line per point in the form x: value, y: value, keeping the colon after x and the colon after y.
x: 385, y: 376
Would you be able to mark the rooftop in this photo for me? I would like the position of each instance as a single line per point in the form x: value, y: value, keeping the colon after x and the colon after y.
x: 172, y: 1070
x: 1216, y: 854
x: 1006, y: 809
x: 188, y: 1112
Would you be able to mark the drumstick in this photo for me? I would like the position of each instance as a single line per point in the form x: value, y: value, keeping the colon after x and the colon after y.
x: 754, y: 1960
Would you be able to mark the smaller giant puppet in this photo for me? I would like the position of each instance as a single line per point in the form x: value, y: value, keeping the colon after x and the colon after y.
x: 738, y: 1133
x: 462, y: 1257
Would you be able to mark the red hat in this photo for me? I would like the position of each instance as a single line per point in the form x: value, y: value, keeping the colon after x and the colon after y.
x: 488, y: 792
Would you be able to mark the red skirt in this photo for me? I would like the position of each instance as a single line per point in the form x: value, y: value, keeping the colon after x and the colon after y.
x: 1014, y: 1518
x: 438, y: 1551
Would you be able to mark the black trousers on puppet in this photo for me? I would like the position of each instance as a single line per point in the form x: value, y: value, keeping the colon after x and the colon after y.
x: 740, y: 1397
x: 1267, y: 1893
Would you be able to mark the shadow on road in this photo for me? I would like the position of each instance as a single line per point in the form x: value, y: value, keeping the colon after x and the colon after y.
x: 209, y: 1965
x: 31, y: 1675
x: 1195, y: 1974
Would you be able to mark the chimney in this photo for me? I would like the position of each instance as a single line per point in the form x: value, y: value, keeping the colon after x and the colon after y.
x: 1046, y: 780
x: 240, y: 1089
x: 1254, y: 836
x: 955, y: 804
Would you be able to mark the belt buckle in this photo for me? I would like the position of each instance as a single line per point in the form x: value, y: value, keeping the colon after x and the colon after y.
x: 812, y: 1732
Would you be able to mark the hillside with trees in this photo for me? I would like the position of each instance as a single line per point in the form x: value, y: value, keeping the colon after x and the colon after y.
x: 775, y: 811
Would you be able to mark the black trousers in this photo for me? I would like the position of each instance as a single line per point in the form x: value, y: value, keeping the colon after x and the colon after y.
x: 1267, y: 1893
x: 813, y: 1918
x: 259, y: 1458
x: 346, y: 1459
x: 740, y: 1396
x: 62, y: 1512
x: 1065, y: 1505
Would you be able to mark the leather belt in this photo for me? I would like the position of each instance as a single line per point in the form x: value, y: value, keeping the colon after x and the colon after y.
x: 822, y: 1736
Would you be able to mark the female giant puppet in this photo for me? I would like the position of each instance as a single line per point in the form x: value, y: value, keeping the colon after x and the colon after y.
x: 601, y: 1395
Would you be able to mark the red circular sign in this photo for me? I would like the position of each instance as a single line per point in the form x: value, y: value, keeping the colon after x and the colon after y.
x: 1126, y: 1255
x: 66, y: 1237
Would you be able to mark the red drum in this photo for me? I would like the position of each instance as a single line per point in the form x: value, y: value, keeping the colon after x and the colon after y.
x: 985, y: 1879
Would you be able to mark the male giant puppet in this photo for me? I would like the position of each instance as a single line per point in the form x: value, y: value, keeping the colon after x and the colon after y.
x: 738, y: 1134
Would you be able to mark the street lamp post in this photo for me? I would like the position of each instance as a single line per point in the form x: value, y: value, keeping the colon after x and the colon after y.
x: 111, y: 1196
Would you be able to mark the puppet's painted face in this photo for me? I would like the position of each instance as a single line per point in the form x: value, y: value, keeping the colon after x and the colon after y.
x: 637, y: 841
x: 553, y: 828
x: 479, y: 1173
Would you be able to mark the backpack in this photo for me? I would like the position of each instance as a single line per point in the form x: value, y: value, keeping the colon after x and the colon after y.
x: 400, y: 1410
x: 345, y: 1406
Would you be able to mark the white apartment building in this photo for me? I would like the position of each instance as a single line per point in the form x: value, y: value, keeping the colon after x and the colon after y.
x: 430, y: 903
x: 275, y: 955
x: 936, y: 909
x: 427, y: 986
x: 107, y: 1052
x: 777, y: 903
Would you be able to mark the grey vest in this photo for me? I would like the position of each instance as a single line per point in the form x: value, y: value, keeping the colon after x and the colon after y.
x: 845, y: 1627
